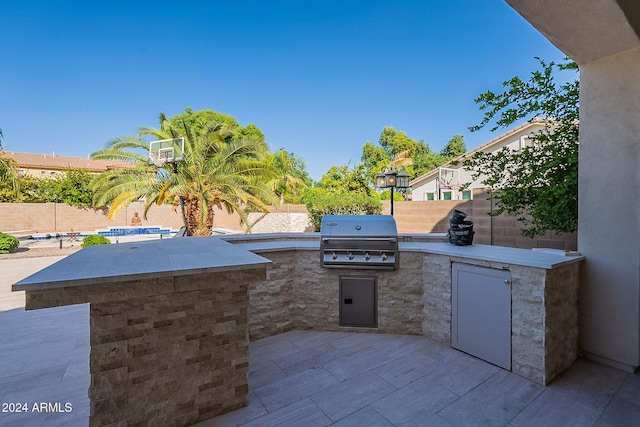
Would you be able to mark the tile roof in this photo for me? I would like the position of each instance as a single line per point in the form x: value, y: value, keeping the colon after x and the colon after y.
x: 56, y: 162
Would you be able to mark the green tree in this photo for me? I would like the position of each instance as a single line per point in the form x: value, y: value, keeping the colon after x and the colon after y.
x: 374, y: 159
x: 8, y: 171
x: 390, y: 144
x: 71, y: 188
x: 454, y: 148
x: 539, y: 184
x: 342, y: 179
x: 199, y: 121
x: 218, y: 170
x: 292, y: 177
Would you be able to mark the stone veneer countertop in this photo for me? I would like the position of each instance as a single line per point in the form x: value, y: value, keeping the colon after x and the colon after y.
x: 539, y: 257
x: 433, y: 244
x: 142, y: 260
x: 181, y: 256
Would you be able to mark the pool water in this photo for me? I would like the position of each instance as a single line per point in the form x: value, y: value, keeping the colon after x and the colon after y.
x: 128, y: 231
x: 109, y: 232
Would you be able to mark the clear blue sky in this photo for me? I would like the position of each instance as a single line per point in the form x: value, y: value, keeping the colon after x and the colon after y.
x: 320, y: 78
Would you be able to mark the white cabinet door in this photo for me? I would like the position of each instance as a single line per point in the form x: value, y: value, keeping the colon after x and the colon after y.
x: 481, y: 313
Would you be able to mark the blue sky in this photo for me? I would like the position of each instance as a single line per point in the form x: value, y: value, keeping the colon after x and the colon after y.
x: 320, y: 78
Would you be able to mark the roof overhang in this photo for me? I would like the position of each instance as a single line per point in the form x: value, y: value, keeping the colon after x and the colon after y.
x: 585, y: 30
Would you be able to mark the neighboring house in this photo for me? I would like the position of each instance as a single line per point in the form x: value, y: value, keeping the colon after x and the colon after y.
x: 50, y: 165
x: 446, y: 182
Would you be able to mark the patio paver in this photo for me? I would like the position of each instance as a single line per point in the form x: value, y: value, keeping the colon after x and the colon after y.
x: 314, y: 378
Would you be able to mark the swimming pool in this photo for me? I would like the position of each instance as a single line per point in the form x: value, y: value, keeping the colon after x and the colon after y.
x: 111, y: 232
x: 128, y: 231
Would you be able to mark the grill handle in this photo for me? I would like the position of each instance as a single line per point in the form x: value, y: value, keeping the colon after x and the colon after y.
x: 366, y: 239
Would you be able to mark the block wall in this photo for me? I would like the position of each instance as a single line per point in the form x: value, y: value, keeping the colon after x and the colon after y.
x: 411, y: 218
x: 58, y: 217
x: 433, y: 216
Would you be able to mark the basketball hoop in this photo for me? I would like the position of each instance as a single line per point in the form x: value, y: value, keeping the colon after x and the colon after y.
x: 155, y: 159
x: 166, y: 151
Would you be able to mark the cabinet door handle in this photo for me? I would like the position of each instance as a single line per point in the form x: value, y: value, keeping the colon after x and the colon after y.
x: 506, y: 281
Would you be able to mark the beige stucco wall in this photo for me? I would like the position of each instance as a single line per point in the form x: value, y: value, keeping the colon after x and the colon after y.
x: 610, y: 189
x: 603, y: 37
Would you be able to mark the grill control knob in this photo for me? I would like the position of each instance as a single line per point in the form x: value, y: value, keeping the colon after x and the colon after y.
x: 333, y: 255
x: 367, y: 256
x: 350, y: 255
x: 383, y: 256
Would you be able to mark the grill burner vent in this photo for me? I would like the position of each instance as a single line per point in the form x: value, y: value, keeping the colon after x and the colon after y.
x: 359, y: 241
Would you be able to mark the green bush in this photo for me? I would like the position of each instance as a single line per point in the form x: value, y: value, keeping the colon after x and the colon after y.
x: 342, y: 204
x: 94, y: 239
x: 8, y: 243
x: 386, y: 195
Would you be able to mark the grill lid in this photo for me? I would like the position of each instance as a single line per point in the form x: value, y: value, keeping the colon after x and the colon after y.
x: 359, y: 241
x: 358, y: 226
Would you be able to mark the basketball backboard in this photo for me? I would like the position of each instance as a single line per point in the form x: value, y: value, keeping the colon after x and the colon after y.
x: 166, y: 151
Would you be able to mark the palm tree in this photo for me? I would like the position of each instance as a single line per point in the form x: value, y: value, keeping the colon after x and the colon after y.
x: 290, y: 178
x: 8, y: 169
x: 217, y: 171
x: 401, y: 159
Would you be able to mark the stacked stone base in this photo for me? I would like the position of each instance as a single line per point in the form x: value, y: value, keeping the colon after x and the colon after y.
x: 167, y: 352
x: 416, y: 300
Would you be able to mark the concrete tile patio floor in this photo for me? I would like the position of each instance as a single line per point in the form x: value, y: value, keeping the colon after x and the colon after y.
x: 303, y: 378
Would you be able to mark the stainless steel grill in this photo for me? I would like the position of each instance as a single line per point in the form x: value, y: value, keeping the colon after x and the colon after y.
x: 359, y: 241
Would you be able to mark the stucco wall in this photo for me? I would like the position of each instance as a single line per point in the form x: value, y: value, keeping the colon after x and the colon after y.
x: 609, y: 225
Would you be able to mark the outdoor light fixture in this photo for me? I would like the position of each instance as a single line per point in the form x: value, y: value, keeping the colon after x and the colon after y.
x: 392, y: 179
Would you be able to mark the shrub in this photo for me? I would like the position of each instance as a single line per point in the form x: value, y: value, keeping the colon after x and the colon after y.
x: 94, y: 239
x: 8, y: 243
x: 342, y: 204
x: 386, y: 195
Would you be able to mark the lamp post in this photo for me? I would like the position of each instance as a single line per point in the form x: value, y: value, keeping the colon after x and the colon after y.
x: 392, y: 179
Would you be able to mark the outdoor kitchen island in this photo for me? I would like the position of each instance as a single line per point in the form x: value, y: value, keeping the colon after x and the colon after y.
x: 418, y: 297
x: 171, y: 319
x: 168, y: 326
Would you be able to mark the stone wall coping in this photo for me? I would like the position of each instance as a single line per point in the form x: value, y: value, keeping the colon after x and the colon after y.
x: 281, y: 245
x: 429, y: 244
x: 183, y: 256
x: 524, y: 257
x: 314, y: 236
x: 116, y: 263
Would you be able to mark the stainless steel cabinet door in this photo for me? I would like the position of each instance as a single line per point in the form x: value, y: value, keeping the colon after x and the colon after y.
x: 481, y: 313
x: 358, y: 301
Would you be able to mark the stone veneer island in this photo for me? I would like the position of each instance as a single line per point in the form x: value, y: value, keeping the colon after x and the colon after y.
x: 170, y: 320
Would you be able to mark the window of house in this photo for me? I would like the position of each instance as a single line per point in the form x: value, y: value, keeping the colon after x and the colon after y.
x: 466, y: 195
x: 431, y: 196
x: 43, y: 172
x: 446, y: 195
